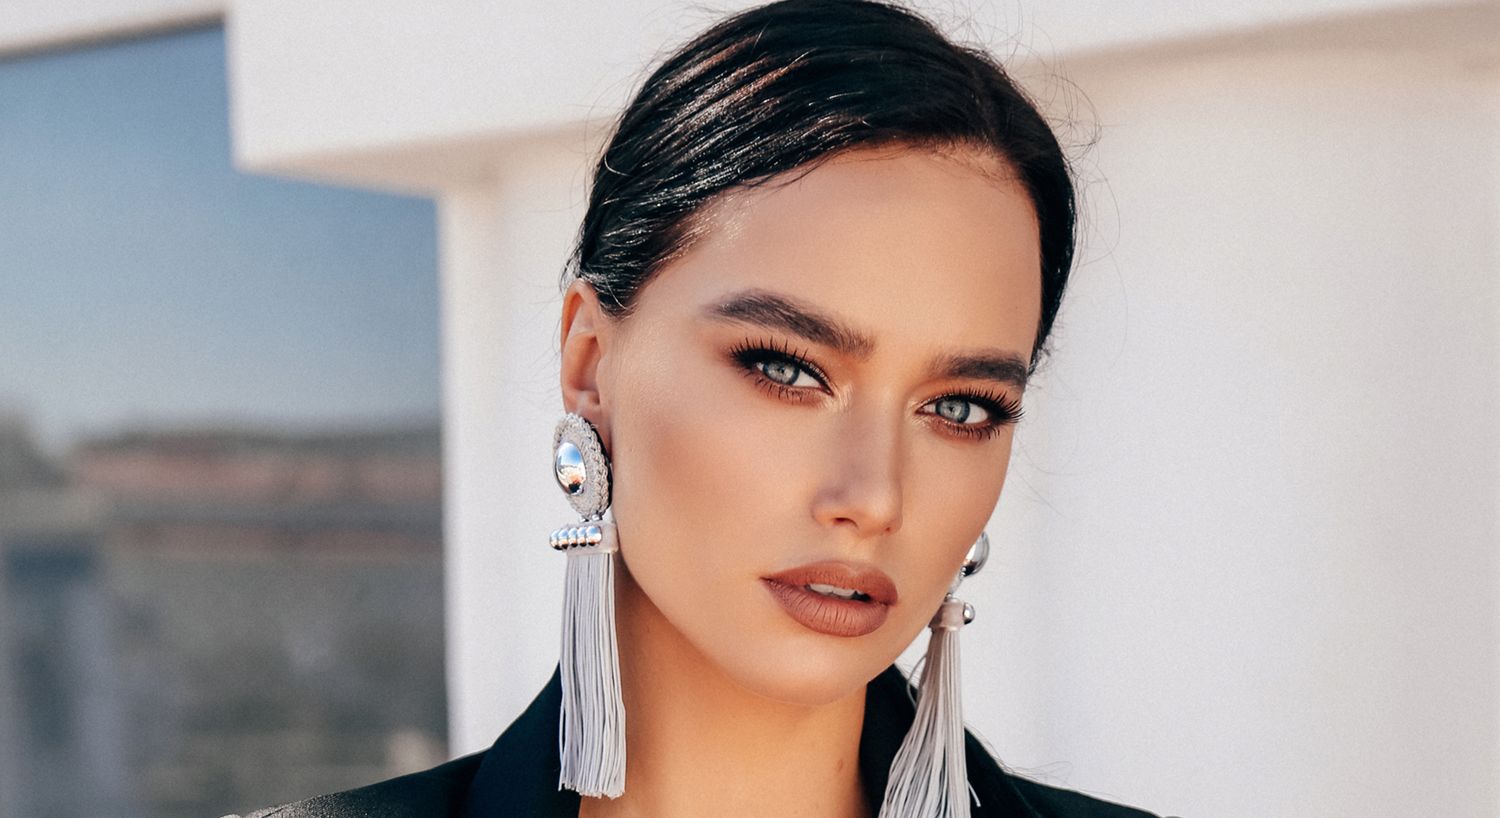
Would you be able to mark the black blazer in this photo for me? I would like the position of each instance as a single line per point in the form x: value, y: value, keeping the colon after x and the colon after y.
x: 517, y: 776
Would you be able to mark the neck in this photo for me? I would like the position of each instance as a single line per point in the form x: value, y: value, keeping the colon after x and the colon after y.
x: 697, y: 743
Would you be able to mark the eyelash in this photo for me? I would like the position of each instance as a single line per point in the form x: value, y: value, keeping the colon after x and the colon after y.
x: 1003, y: 411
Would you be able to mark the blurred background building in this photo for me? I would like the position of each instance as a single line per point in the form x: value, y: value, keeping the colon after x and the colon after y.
x: 220, y: 461
x: 1248, y: 558
x: 205, y: 617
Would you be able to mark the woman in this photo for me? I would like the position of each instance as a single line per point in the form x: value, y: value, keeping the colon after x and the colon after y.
x: 823, y: 251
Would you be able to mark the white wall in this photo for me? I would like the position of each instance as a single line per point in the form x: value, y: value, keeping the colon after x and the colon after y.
x: 501, y: 244
x: 1260, y: 514
x: 318, y: 86
x: 33, y: 25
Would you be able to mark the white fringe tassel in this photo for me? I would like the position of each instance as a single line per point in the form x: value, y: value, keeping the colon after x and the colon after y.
x: 929, y: 778
x: 591, y: 734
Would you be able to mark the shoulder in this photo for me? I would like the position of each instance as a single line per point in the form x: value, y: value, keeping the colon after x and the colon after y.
x: 435, y: 793
x: 1056, y: 802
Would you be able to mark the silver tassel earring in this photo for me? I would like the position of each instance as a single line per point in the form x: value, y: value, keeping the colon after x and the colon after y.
x: 929, y: 777
x: 591, y: 733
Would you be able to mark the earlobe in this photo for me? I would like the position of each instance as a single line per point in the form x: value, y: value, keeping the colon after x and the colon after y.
x: 584, y: 340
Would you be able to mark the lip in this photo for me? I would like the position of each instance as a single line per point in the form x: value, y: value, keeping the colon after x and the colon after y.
x: 829, y: 615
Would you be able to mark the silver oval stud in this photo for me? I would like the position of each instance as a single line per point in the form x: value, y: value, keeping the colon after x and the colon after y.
x: 979, y: 554
x: 968, y: 613
x: 571, y: 474
x: 581, y: 466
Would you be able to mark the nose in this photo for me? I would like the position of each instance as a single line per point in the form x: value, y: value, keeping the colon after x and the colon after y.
x: 861, y: 486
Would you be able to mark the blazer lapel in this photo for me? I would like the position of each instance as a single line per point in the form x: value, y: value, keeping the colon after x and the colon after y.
x: 519, y: 774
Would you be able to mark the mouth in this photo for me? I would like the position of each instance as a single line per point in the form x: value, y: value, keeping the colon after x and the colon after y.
x: 834, y: 598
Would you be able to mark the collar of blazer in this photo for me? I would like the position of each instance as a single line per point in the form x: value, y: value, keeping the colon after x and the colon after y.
x: 517, y: 776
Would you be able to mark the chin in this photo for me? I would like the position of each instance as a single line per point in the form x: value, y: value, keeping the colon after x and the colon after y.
x: 809, y: 669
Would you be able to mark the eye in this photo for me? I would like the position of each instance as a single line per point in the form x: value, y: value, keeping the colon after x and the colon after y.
x: 959, y: 410
x: 785, y: 372
x: 779, y: 370
x: 977, y: 415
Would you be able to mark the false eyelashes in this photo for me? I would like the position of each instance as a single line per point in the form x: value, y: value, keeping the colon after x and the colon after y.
x: 750, y: 356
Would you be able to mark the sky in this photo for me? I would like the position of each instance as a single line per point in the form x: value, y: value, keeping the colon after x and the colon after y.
x: 144, y: 282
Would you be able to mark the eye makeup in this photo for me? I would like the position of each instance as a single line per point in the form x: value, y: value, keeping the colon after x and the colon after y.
x: 753, y: 358
x: 1002, y: 410
x: 775, y: 367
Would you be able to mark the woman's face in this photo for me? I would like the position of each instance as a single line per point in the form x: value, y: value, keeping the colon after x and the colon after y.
x: 826, y: 376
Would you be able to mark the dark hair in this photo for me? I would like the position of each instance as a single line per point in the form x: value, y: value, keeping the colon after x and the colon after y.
x: 775, y: 88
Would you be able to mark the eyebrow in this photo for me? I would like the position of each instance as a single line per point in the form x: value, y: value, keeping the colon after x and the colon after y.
x: 768, y: 309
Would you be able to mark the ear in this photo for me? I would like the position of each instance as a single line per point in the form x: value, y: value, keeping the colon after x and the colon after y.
x: 585, y: 339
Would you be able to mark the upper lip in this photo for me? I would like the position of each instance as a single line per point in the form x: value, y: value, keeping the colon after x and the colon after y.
x: 867, y: 579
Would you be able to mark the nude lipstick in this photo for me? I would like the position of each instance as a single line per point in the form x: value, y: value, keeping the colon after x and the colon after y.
x: 836, y: 598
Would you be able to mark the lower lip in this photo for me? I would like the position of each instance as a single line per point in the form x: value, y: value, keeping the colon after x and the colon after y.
x: 824, y: 614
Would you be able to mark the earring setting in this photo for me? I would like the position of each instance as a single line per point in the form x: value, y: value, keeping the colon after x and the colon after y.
x: 929, y: 776
x: 580, y: 465
x: 591, y: 731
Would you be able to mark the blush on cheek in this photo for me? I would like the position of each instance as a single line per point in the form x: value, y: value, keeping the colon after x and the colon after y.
x: 715, y: 464
x: 677, y: 467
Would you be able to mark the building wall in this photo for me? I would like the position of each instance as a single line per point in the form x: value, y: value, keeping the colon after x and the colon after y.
x: 215, y: 620
x: 1257, y: 511
x: 36, y: 25
x: 316, y: 86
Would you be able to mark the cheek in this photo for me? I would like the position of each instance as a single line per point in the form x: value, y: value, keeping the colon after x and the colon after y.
x: 693, y: 478
x: 949, y: 498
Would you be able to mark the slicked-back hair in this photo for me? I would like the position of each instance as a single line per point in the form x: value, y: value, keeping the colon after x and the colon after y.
x: 783, y: 86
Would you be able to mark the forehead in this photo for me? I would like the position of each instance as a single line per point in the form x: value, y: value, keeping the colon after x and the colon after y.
x: 913, y: 247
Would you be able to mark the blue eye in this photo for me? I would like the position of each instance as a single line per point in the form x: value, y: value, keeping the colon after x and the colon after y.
x: 959, y: 409
x: 787, y: 374
x: 784, y: 372
x: 993, y: 412
x: 779, y: 368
